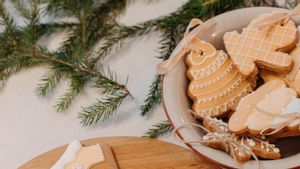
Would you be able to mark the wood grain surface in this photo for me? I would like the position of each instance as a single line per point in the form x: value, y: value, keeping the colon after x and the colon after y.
x: 133, y: 153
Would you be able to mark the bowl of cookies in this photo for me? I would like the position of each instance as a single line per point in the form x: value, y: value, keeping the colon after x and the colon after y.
x: 231, y: 88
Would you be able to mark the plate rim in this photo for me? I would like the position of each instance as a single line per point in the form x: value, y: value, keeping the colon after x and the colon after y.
x: 219, y: 164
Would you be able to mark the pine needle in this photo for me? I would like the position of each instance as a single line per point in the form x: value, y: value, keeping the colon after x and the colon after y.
x: 160, y: 129
x: 48, y: 83
x: 101, y: 110
x: 153, y: 96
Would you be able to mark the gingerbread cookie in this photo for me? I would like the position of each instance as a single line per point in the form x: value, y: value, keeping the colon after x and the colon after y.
x: 287, y: 123
x: 256, y: 111
x: 216, y: 86
x: 292, y: 78
x: 84, y: 157
x: 242, y: 145
x: 262, y: 47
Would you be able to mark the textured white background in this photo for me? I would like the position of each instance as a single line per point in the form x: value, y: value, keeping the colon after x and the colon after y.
x: 30, y: 126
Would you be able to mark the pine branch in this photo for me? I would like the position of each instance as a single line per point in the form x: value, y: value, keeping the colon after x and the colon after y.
x: 116, y: 37
x: 153, y: 96
x: 76, y: 85
x: 101, y: 110
x: 160, y: 129
x: 48, y: 83
x: 19, y: 49
x: 168, y: 43
x: 12, y: 65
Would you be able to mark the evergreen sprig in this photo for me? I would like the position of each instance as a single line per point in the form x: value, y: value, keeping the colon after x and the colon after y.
x: 19, y: 49
x: 101, y: 110
x: 78, y: 60
x: 160, y: 129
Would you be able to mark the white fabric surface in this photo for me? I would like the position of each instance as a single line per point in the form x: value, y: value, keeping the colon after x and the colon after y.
x: 30, y: 126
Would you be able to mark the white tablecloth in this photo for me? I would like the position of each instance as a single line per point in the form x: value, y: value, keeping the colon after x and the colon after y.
x: 30, y: 126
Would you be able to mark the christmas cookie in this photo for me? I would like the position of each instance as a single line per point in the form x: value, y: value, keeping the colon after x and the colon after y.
x: 216, y: 86
x: 239, y: 147
x: 287, y: 123
x: 77, y: 156
x: 256, y: 111
x: 292, y: 78
x: 262, y: 47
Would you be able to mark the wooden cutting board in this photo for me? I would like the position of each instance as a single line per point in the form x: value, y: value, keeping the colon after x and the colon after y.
x: 133, y: 153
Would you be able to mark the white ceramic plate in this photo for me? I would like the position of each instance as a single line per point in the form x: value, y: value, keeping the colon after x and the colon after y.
x: 176, y: 102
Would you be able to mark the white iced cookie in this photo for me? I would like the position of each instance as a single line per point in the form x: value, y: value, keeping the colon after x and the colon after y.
x: 292, y: 107
x: 257, y: 111
x: 78, y: 157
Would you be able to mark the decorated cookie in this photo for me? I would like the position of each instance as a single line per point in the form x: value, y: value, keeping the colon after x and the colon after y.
x: 239, y: 147
x: 256, y: 111
x: 77, y: 156
x: 216, y: 86
x: 292, y: 78
x: 287, y: 123
x: 260, y: 47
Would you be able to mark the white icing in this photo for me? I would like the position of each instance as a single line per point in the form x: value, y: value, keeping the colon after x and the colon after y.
x: 69, y: 155
x: 226, y: 106
x: 277, y: 100
x: 211, y: 68
x: 292, y: 107
x: 213, y: 81
x: 276, y: 150
x: 251, y: 142
x: 205, y: 137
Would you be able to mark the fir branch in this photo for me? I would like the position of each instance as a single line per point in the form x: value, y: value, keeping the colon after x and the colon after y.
x: 160, y: 129
x: 153, y: 96
x: 76, y: 85
x: 116, y: 37
x: 168, y: 43
x: 12, y: 65
x: 101, y: 110
x: 48, y: 83
x: 48, y: 28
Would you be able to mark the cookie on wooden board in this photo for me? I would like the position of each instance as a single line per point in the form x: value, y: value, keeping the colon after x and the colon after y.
x: 255, y: 47
x: 216, y: 86
x: 77, y: 156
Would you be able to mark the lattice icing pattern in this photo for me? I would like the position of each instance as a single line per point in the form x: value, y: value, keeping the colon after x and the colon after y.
x: 262, y: 47
x: 216, y: 86
x: 220, y: 131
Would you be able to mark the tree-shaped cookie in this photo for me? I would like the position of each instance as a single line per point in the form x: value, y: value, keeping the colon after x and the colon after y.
x: 259, y: 147
x: 216, y: 86
x: 263, y: 47
x: 257, y: 111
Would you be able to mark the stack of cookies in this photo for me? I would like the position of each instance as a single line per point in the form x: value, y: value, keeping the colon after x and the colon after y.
x: 223, y: 85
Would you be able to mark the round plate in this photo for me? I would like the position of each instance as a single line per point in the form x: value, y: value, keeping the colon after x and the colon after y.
x: 176, y: 102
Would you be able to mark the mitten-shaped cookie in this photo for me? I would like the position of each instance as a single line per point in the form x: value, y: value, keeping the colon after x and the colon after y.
x: 216, y: 86
x: 256, y: 46
x: 256, y: 111
x: 242, y: 146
